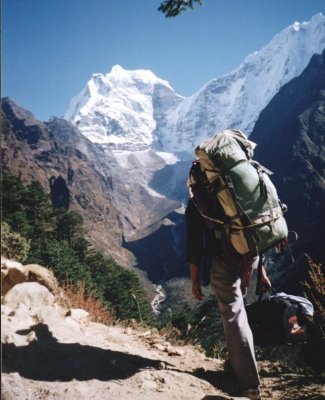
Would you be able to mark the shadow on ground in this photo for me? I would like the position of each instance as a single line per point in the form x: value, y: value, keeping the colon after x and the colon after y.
x: 49, y: 360
x: 222, y: 380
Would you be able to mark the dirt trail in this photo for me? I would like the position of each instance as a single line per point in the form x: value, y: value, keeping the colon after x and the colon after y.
x: 94, y: 361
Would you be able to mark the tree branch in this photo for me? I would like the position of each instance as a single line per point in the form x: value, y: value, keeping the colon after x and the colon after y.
x: 172, y: 8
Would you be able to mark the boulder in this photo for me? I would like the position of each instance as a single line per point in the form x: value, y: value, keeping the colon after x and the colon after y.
x: 78, y: 314
x: 30, y: 294
x: 42, y: 275
x: 12, y: 273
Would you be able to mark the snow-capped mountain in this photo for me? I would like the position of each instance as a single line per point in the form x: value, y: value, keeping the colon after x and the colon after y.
x: 235, y: 100
x: 135, y: 110
x: 123, y: 108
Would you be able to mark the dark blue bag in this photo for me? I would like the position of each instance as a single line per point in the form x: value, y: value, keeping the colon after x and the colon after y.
x: 279, y: 318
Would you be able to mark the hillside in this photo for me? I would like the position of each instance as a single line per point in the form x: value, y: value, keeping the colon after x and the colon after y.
x: 290, y: 136
x: 69, y: 167
x: 80, y: 176
x: 53, y: 351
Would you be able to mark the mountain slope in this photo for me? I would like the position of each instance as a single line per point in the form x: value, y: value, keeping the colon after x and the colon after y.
x: 117, y: 206
x: 68, y: 166
x: 290, y: 133
x: 236, y: 99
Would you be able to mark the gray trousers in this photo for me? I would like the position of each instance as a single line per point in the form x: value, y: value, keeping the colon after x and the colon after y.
x: 228, y: 281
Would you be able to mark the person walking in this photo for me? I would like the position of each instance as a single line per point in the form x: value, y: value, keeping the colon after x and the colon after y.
x: 229, y: 277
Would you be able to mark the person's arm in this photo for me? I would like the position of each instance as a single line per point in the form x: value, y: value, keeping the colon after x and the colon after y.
x: 196, y: 286
x: 194, y: 247
x: 263, y: 282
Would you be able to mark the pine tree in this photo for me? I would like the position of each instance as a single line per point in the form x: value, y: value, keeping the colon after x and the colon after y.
x: 68, y: 225
x: 62, y: 259
x: 37, y: 206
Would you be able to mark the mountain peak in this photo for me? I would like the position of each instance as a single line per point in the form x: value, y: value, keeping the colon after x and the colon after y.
x: 235, y: 100
x: 17, y: 115
x: 137, y: 75
x: 317, y: 17
x: 117, y: 69
x: 314, y: 21
x: 121, y: 107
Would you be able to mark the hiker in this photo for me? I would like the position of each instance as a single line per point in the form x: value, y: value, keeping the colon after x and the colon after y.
x: 229, y: 272
x: 233, y: 216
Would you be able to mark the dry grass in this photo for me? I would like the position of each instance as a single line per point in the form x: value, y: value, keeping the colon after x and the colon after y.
x: 315, y: 291
x: 76, y: 297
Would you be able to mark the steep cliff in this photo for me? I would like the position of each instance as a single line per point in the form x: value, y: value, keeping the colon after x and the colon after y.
x: 290, y: 133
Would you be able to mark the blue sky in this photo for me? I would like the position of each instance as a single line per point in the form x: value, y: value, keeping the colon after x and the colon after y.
x: 50, y: 48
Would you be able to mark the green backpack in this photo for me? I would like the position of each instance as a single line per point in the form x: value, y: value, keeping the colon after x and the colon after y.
x: 254, y: 214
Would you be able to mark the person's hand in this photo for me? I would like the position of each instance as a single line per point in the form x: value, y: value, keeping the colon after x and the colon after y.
x: 197, y: 290
x: 196, y: 287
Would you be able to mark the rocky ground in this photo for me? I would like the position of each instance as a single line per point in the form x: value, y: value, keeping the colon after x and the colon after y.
x: 52, y: 352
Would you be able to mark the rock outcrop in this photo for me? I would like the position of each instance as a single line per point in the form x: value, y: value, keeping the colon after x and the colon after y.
x: 14, y: 273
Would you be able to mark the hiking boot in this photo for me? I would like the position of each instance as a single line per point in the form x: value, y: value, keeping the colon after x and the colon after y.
x: 252, y: 394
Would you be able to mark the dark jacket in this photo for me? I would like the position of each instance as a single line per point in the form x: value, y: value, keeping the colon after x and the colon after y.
x: 201, y: 240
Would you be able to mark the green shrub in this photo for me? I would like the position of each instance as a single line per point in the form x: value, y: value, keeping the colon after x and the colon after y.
x: 13, y: 245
